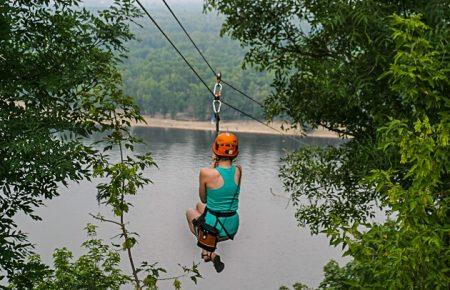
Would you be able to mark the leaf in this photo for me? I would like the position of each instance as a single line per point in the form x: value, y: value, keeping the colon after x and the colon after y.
x: 177, y: 284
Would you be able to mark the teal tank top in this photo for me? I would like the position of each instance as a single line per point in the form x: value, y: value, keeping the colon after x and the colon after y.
x: 224, y: 199
x: 221, y: 199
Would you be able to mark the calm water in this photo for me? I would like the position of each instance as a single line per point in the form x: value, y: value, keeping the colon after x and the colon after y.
x: 269, y: 249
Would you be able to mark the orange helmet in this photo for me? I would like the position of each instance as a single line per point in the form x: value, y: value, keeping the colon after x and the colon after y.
x: 226, y: 145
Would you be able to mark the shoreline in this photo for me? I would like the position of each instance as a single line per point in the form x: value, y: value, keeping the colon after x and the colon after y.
x: 238, y: 126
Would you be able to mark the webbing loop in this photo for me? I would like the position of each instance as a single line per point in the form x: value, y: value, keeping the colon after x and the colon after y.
x: 217, y: 115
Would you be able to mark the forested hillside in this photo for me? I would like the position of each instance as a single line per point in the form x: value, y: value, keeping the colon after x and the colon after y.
x: 161, y: 82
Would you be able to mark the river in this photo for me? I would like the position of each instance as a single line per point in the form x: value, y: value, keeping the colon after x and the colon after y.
x: 269, y: 249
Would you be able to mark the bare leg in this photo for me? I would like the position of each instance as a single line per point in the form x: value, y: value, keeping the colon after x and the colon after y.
x: 200, y: 207
x: 192, y: 214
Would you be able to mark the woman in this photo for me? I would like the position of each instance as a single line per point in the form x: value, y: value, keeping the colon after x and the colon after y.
x: 219, y: 194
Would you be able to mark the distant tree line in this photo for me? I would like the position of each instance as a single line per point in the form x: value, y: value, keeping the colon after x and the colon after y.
x: 162, y: 84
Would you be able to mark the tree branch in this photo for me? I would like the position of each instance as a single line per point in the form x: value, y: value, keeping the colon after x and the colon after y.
x: 102, y: 219
x: 339, y: 131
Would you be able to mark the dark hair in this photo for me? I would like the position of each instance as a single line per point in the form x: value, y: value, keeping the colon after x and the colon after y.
x: 218, y: 158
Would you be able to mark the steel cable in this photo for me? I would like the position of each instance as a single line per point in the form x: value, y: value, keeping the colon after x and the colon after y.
x: 204, y: 83
x: 204, y: 58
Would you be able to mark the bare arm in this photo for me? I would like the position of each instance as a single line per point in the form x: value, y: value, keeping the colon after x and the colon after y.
x: 203, y: 177
x: 238, y: 181
x: 202, y: 186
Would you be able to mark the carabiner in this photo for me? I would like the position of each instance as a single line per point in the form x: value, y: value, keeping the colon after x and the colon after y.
x: 216, y: 106
x: 217, y: 90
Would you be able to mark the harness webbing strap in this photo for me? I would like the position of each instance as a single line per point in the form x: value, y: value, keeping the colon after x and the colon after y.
x: 218, y: 215
x: 221, y: 213
x: 217, y: 123
x: 231, y: 237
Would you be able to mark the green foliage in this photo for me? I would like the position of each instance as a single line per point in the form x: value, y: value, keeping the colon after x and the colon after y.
x: 153, y: 274
x: 58, y: 84
x: 296, y: 286
x: 411, y: 249
x: 97, y: 269
x: 327, y: 58
x: 327, y: 196
x: 376, y: 71
x: 339, y: 278
x: 124, y: 177
x: 162, y: 84
x: 176, y: 284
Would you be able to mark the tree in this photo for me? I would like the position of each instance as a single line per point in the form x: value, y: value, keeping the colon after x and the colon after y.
x: 338, y: 65
x: 411, y: 249
x: 96, y: 269
x: 58, y: 84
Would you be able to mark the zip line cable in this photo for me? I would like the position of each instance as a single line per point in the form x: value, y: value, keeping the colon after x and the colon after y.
x: 187, y: 34
x: 242, y: 93
x: 173, y: 45
x: 204, y: 83
x: 204, y: 58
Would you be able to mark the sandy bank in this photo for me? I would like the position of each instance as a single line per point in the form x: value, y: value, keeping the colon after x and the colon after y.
x: 239, y: 126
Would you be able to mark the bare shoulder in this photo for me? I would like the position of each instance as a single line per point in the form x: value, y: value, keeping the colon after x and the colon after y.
x: 208, y: 172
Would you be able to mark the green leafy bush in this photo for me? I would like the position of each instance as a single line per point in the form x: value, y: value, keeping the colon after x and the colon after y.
x: 98, y: 269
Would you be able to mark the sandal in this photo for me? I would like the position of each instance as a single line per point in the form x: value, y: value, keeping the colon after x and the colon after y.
x: 206, y: 257
x: 218, y: 264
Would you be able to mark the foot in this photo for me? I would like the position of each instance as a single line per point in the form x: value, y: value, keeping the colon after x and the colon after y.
x: 218, y: 264
x: 206, y: 256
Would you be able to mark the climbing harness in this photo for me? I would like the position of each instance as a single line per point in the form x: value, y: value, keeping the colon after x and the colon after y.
x: 207, y: 236
x: 217, y: 103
